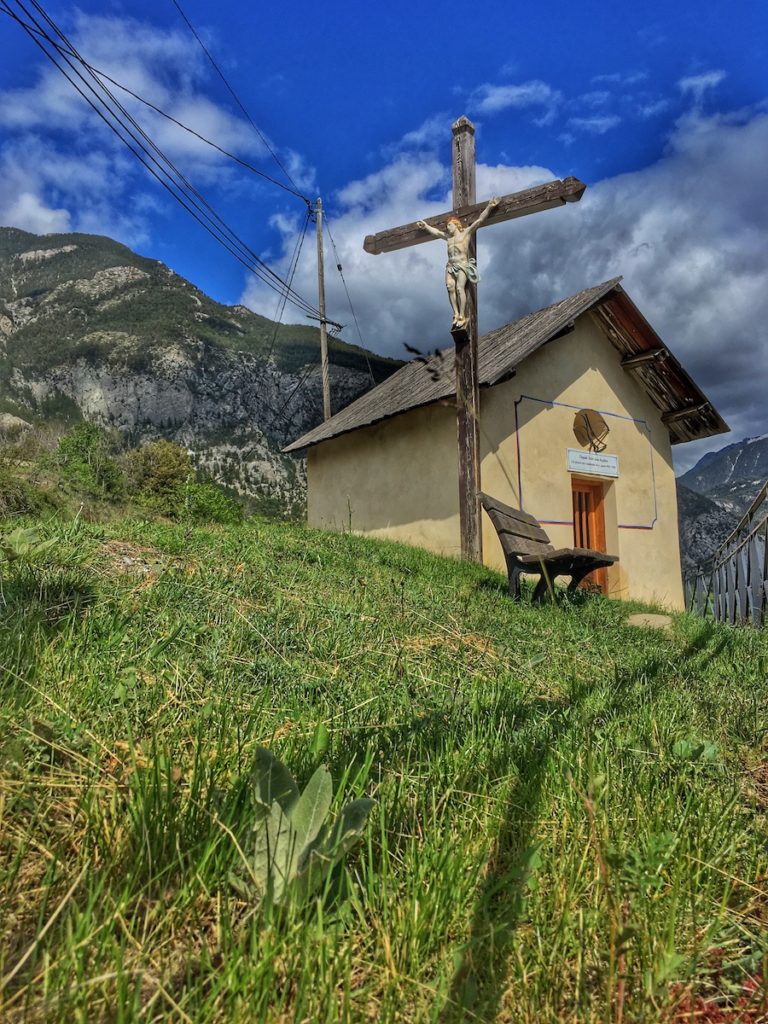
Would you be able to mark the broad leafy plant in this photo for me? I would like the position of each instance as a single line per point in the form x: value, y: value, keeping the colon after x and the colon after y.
x: 292, y: 848
x: 24, y: 545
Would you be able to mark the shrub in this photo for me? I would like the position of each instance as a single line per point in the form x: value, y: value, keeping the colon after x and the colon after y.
x: 205, y: 502
x: 158, y: 469
x: 85, y: 457
x: 19, y: 498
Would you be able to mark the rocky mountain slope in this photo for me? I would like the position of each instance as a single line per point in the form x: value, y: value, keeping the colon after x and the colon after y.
x: 90, y: 329
x: 704, y: 525
x: 714, y: 494
x: 732, y: 476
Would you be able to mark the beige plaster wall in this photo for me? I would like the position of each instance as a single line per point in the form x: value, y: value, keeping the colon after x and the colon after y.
x: 398, y: 479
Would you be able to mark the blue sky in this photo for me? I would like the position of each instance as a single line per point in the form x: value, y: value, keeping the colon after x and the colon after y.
x: 662, y: 110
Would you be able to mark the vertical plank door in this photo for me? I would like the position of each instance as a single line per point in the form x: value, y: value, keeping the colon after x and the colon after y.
x: 589, y: 525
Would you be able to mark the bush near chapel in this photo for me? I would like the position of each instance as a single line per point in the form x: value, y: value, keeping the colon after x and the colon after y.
x: 160, y: 473
x: 158, y: 468
x: 37, y: 475
x: 85, y: 457
x: 207, y: 503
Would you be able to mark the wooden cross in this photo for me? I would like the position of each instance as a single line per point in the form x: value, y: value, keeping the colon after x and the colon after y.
x: 518, y: 204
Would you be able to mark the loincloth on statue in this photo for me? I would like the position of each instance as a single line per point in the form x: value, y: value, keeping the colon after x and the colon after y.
x: 468, y: 267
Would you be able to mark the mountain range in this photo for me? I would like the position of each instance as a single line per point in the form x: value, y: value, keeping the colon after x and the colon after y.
x: 89, y: 329
x: 715, y: 493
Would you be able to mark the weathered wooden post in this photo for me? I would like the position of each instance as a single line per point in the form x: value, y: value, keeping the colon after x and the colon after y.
x: 465, y: 343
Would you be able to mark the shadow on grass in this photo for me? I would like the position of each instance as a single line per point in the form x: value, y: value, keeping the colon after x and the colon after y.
x: 563, y: 596
x: 33, y: 611
x: 480, y: 981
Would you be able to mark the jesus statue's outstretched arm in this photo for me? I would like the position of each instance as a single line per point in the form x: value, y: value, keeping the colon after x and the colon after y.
x: 492, y: 204
x: 428, y: 227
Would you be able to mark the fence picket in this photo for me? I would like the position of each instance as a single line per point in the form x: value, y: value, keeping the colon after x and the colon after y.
x: 756, y: 579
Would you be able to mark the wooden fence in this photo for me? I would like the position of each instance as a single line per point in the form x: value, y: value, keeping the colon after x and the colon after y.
x: 733, y: 587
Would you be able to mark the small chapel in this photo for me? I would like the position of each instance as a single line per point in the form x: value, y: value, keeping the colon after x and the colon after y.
x: 579, y: 406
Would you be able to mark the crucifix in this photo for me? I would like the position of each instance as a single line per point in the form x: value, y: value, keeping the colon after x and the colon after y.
x: 458, y: 227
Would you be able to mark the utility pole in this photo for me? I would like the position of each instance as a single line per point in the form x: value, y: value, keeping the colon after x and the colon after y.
x: 323, y: 322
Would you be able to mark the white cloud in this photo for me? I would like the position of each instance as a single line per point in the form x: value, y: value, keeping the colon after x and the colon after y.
x: 45, y: 188
x: 428, y: 135
x: 25, y: 210
x: 492, y: 99
x: 597, y: 125
x: 652, y: 108
x: 596, y: 98
x: 62, y: 155
x: 687, y: 233
x: 697, y: 85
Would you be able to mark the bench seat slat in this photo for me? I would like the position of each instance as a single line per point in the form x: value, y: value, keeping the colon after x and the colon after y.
x: 574, y: 555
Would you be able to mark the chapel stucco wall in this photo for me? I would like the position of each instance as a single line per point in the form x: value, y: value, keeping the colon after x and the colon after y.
x: 398, y: 479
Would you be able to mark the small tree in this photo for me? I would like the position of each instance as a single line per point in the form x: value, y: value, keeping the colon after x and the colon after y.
x: 207, y: 503
x: 158, y: 469
x: 85, y: 456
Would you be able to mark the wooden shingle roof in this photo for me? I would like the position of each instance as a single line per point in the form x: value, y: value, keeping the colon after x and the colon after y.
x: 685, y: 409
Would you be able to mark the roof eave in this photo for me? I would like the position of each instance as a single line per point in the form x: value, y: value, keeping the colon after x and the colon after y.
x: 685, y: 410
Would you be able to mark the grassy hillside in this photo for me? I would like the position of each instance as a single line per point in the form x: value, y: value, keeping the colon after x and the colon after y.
x: 569, y: 819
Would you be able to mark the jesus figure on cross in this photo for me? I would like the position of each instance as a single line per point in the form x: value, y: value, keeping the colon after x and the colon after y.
x: 461, y: 267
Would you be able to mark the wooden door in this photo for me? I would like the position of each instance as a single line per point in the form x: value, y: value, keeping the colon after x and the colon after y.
x: 589, y: 525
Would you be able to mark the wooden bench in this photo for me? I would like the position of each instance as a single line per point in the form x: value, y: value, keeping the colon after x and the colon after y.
x: 527, y: 549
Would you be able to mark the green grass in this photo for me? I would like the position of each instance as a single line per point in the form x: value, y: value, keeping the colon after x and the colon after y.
x: 570, y: 812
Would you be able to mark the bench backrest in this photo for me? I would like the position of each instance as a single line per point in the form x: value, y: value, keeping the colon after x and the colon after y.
x: 519, y: 532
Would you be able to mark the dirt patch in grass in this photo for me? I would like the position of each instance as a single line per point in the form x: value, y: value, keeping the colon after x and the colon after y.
x: 749, y: 1007
x: 759, y: 779
x: 125, y: 557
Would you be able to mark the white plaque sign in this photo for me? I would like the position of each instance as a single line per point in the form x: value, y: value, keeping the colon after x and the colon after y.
x: 594, y: 463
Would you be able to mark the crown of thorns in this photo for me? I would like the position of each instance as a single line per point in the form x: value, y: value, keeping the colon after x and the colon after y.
x: 454, y: 220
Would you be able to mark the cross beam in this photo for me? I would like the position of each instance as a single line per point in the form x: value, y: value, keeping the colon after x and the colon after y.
x: 517, y: 204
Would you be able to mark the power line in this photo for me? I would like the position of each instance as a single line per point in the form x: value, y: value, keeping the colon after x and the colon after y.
x: 189, y: 195
x: 232, y: 92
x: 158, y: 110
x: 164, y: 170
x: 292, y: 270
x: 349, y: 300
x: 310, y: 368
x: 177, y: 184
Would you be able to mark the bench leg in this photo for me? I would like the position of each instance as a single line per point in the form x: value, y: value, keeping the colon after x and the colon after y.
x: 514, y: 582
x: 543, y: 587
x: 576, y: 579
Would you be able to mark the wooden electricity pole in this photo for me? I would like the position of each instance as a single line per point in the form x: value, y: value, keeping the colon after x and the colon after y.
x: 466, y: 210
x: 323, y: 322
